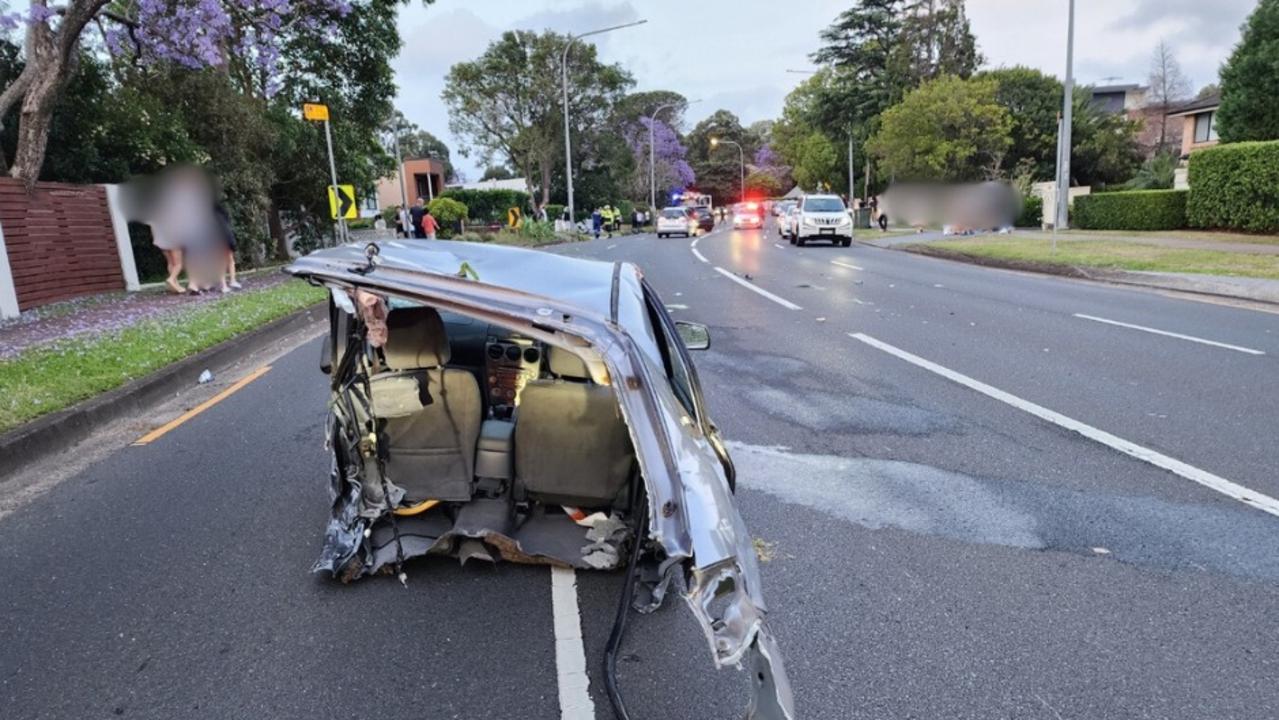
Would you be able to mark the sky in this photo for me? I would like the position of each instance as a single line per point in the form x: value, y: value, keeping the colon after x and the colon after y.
x: 734, y: 54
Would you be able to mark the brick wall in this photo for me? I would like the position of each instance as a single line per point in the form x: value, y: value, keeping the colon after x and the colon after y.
x: 60, y: 241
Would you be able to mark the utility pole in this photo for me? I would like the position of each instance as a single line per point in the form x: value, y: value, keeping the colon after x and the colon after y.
x: 1062, y: 219
x: 852, y: 189
x: 333, y: 173
x: 399, y: 168
x: 568, y: 148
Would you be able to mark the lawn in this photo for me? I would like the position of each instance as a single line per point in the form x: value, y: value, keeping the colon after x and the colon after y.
x: 48, y: 378
x: 1112, y: 255
x: 1203, y: 236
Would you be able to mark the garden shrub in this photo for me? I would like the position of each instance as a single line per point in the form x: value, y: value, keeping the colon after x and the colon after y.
x: 489, y: 206
x: 1235, y: 186
x: 448, y: 213
x: 1032, y: 211
x: 1131, y: 210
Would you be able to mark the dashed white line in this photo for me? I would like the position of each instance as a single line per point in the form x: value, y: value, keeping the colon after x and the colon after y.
x: 850, y: 266
x: 1179, y: 336
x: 570, y: 654
x: 779, y: 246
x: 755, y: 288
x: 610, y: 247
x: 1173, y: 465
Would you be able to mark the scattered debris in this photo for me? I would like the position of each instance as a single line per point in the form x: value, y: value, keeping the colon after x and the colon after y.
x: 1101, y: 551
x: 764, y: 549
x: 821, y: 319
x: 205, y: 377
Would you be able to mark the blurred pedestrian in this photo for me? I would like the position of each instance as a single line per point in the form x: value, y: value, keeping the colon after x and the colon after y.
x: 403, y: 222
x: 597, y: 222
x: 429, y: 225
x: 227, y: 235
x: 415, y: 214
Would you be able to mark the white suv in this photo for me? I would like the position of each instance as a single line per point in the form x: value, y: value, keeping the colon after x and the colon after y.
x: 821, y: 217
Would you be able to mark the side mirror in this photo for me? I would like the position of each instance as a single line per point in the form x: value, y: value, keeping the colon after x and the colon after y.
x: 326, y: 356
x: 696, y: 336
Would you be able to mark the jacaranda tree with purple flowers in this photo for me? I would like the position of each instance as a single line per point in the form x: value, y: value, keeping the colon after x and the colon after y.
x: 670, y: 164
x: 244, y: 37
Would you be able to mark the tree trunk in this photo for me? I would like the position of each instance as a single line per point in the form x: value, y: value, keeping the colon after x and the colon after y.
x: 50, y: 60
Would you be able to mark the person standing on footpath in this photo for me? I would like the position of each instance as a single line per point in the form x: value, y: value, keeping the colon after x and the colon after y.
x: 228, y: 239
x: 597, y: 221
x: 429, y: 225
x: 416, y: 214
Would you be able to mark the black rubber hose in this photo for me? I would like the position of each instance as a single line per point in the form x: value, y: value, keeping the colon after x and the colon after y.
x: 619, y: 623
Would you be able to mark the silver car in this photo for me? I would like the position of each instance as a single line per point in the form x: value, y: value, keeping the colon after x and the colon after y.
x: 497, y: 403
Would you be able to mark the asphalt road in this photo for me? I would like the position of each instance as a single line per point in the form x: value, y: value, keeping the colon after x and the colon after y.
x: 931, y: 551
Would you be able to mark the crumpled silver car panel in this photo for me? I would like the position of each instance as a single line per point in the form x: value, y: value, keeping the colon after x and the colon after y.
x: 558, y: 301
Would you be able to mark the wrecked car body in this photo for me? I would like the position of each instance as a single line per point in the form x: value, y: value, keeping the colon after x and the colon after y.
x: 493, y: 403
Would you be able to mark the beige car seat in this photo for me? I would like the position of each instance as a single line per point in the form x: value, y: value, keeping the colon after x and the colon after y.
x: 571, y: 444
x: 433, y: 412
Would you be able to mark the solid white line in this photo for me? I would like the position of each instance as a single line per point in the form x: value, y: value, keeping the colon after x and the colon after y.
x: 752, y: 286
x: 1203, y: 477
x: 700, y: 256
x: 850, y: 266
x: 1191, y: 338
x: 570, y: 654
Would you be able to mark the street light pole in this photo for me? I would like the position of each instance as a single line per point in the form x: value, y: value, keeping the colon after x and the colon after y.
x: 568, y: 149
x: 741, y: 157
x: 1063, y: 159
x: 652, y: 163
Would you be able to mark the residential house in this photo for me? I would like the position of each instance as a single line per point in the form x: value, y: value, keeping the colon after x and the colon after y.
x: 1118, y: 98
x: 1199, y: 123
x: 423, y: 178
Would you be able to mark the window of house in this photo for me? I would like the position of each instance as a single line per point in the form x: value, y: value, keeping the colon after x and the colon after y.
x: 1205, y: 127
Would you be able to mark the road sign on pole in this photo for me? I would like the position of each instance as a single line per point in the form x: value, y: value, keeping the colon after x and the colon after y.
x: 317, y: 112
x: 342, y: 202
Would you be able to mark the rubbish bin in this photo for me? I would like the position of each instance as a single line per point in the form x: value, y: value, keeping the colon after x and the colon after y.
x: 861, y: 218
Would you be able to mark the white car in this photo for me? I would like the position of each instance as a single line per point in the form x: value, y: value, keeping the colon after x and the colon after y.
x: 676, y: 221
x: 786, y: 223
x: 821, y: 217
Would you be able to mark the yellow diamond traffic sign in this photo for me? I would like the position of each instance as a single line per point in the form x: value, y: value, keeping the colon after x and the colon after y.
x: 342, y: 202
x: 315, y: 111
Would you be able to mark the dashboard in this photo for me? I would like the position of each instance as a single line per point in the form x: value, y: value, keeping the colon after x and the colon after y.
x: 510, y: 362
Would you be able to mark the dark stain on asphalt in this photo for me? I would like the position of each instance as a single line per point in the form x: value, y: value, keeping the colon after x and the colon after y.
x: 1213, y: 535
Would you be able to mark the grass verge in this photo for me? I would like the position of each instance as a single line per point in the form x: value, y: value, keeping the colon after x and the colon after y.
x: 1203, y: 236
x: 49, y: 378
x: 1110, y: 255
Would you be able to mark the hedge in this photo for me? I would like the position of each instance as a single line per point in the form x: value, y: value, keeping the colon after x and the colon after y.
x: 449, y: 213
x: 1131, y: 210
x: 1235, y: 186
x: 1032, y: 212
x: 489, y: 206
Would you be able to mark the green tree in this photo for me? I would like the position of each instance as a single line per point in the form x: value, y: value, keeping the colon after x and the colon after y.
x: 718, y: 170
x: 1104, y: 145
x: 498, y: 172
x: 418, y: 143
x: 1250, y: 80
x: 947, y: 129
x: 1033, y: 101
x: 506, y: 103
x: 936, y: 40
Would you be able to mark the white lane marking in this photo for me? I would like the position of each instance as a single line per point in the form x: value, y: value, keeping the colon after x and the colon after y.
x: 1179, y: 336
x: 676, y: 306
x: 752, y: 286
x: 1173, y: 465
x: 779, y: 246
x: 570, y: 654
x: 696, y: 239
x: 850, y: 266
x: 610, y: 247
x: 697, y: 254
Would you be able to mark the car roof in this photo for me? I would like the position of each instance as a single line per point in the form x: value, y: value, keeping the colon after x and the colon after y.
x: 585, y: 284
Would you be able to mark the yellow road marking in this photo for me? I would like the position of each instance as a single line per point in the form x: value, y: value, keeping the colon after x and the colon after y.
x: 160, y: 431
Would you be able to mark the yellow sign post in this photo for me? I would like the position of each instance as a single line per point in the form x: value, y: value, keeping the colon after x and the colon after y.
x: 514, y: 218
x: 315, y: 111
x: 342, y: 202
